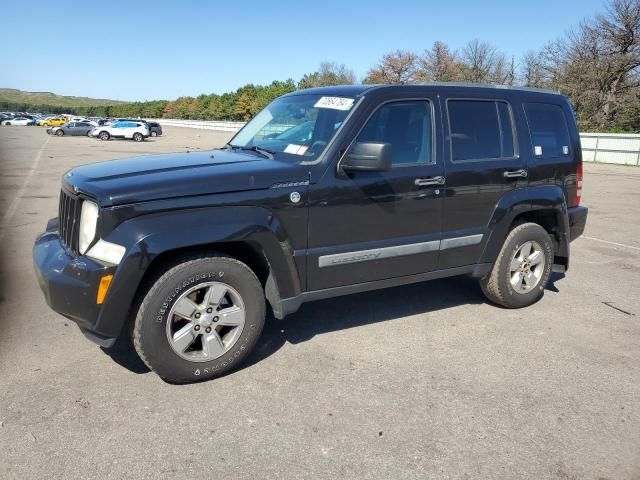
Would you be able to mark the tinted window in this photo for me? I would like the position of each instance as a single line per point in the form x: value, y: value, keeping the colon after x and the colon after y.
x: 549, y: 131
x: 475, y: 130
x: 406, y: 126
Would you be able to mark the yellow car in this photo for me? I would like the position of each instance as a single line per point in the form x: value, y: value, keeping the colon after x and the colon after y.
x: 53, y: 122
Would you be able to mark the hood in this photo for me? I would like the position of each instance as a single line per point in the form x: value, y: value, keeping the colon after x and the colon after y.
x: 157, y: 177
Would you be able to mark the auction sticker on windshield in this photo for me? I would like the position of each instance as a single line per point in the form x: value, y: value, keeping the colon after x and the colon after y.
x: 336, y: 103
x: 296, y: 149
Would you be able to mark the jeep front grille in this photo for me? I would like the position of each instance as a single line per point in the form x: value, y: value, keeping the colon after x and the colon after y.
x: 69, y: 216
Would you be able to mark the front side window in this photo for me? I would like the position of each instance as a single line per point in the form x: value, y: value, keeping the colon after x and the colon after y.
x: 295, y: 126
x: 548, y: 128
x: 406, y: 126
x: 480, y: 130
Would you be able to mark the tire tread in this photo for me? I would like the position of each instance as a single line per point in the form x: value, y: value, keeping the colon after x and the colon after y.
x: 156, y: 281
x: 490, y: 284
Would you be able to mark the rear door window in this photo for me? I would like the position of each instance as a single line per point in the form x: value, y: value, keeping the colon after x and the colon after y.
x: 480, y: 130
x: 548, y: 129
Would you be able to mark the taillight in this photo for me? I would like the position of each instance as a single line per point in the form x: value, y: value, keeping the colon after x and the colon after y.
x: 578, y: 192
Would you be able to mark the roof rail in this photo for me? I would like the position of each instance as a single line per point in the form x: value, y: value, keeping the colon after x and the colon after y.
x: 467, y: 84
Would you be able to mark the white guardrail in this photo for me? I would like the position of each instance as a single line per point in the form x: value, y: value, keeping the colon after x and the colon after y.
x: 201, y: 124
x: 611, y: 148
x: 617, y: 148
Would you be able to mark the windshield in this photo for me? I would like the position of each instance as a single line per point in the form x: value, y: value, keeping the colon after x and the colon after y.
x: 296, y: 126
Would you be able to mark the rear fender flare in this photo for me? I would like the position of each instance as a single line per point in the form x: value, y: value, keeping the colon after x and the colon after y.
x: 517, y: 202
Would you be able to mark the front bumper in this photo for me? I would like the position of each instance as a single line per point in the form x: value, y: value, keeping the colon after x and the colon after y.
x: 577, y: 221
x: 70, y: 284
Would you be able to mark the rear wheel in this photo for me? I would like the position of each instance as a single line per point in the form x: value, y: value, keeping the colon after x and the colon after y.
x: 60, y: 133
x: 137, y: 137
x: 104, y: 136
x: 522, y: 269
x: 200, y: 319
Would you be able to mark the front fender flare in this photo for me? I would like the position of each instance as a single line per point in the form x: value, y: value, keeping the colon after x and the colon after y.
x: 149, y: 236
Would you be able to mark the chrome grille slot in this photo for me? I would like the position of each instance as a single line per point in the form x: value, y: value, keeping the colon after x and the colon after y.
x: 69, y: 217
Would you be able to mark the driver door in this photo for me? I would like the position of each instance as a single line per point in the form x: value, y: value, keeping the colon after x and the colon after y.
x: 368, y: 226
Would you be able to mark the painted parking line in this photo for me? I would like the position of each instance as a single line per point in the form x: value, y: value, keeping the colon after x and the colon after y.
x: 10, y: 212
x: 611, y: 243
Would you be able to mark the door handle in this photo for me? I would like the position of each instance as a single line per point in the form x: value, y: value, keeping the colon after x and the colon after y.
x: 428, y: 181
x: 522, y: 173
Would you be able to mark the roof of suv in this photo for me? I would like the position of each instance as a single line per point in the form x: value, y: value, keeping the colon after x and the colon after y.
x: 356, y: 90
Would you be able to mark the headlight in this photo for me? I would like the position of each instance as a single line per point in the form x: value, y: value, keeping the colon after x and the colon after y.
x: 88, y: 223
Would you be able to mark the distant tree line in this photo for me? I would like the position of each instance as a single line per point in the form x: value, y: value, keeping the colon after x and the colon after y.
x: 596, y: 64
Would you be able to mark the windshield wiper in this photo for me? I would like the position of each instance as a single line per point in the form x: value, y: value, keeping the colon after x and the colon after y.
x: 254, y: 148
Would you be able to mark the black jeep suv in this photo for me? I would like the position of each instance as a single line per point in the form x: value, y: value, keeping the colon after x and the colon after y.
x: 387, y: 185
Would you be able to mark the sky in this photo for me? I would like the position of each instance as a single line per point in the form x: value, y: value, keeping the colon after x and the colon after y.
x: 157, y: 49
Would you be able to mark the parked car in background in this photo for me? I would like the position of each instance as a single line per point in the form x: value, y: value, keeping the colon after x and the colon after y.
x: 135, y: 130
x: 19, y: 121
x: 54, y: 122
x: 71, y: 128
x: 155, y: 129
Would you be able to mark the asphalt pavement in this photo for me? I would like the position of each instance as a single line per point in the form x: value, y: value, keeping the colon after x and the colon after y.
x: 420, y: 381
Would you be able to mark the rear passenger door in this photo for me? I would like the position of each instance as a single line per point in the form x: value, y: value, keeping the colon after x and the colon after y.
x: 128, y: 129
x: 483, y: 165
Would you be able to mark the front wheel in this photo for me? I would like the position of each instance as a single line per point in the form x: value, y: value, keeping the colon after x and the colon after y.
x: 200, y: 319
x: 60, y: 133
x: 104, y: 136
x: 137, y: 137
x: 522, y: 269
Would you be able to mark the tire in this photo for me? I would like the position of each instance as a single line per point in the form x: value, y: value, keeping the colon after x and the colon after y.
x: 154, y: 134
x: 104, y: 136
x: 8, y: 124
x: 516, y: 280
x: 183, y: 359
x: 59, y: 133
x: 137, y: 137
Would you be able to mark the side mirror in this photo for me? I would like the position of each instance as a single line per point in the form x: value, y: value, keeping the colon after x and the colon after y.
x: 367, y: 156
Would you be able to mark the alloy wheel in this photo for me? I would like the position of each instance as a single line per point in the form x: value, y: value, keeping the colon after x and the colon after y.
x: 206, y: 322
x: 527, y: 267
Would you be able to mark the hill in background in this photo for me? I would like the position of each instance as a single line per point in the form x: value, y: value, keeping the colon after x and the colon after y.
x: 14, y: 96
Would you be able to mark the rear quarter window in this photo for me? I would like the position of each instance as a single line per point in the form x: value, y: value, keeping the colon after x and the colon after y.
x: 548, y: 129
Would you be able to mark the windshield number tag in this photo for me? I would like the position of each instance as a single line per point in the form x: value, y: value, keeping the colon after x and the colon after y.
x: 335, y: 103
x: 296, y: 149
